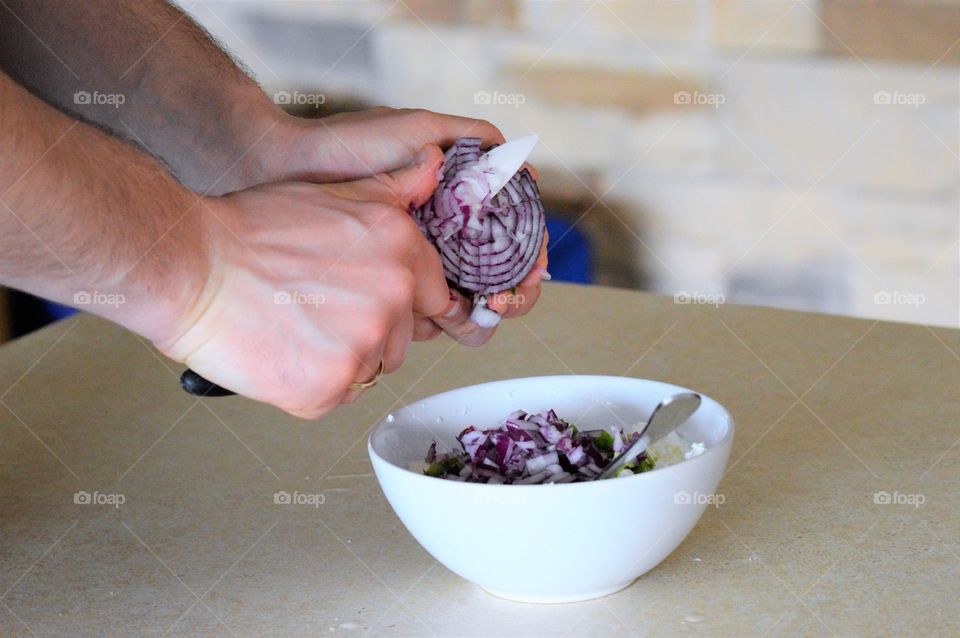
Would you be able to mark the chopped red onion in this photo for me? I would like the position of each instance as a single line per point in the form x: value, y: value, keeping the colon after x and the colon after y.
x: 532, y: 448
x: 488, y: 243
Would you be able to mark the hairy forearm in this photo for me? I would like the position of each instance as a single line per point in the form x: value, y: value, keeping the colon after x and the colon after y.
x: 86, y: 220
x: 162, y: 82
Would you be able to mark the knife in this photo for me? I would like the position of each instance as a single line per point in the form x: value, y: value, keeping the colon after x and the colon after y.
x: 503, y: 161
x: 508, y: 158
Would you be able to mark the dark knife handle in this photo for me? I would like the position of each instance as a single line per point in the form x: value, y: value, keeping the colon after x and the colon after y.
x: 196, y: 385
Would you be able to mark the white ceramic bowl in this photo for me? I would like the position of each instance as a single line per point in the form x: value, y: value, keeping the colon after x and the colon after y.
x: 549, y: 543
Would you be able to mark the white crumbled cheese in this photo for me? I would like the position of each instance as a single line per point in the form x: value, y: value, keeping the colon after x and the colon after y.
x: 696, y: 449
x: 673, y: 449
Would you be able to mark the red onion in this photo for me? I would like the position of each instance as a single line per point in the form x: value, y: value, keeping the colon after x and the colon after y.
x: 487, y: 244
x: 532, y: 448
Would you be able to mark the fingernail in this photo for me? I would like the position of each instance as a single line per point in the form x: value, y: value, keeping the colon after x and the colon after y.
x: 544, y: 275
x: 477, y: 337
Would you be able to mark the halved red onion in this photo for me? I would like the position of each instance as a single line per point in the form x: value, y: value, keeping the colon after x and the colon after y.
x: 487, y: 243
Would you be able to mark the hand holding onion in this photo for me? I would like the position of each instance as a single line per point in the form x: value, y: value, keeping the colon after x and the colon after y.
x: 342, y: 278
x: 309, y: 286
x: 491, y: 236
x: 354, y: 145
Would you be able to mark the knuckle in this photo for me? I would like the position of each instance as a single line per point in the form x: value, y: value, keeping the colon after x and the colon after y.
x: 344, y: 368
x: 372, y: 332
x: 318, y: 390
x: 418, y: 115
x: 494, y: 132
x: 398, y: 285
x: 397, y: 228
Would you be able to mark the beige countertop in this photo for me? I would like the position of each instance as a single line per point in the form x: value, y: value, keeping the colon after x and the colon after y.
x: 830, y: 411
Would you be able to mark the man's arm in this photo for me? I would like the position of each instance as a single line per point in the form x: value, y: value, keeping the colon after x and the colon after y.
x: 87, y: 220
x: 189, y: 104
x: 285, y: 293
x: 146, y: 72
x: 186, y: 102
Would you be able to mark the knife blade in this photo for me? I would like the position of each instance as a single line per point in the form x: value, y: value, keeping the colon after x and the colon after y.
x: 505, y: 160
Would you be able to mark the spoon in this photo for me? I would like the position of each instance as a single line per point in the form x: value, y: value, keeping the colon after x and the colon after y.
x: 670, y: 414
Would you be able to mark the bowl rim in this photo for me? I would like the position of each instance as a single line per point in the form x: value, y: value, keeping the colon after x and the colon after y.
x: 713, y: 449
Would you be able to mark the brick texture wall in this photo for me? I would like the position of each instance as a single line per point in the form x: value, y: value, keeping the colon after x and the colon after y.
x: 797, y: 154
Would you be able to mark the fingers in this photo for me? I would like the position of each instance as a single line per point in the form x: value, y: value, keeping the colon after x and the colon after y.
x: 403, y: 188
x: 369, y: 367
x: 392, y: 354
x: 424, y: 329
x: 456, y: 322
x: 447, y: 128
x: 397, y: 343
x: 521, y: 300
x: 516, y: 303
x: 431, y: 295
x: 533, y: 171
x: 413, y: 185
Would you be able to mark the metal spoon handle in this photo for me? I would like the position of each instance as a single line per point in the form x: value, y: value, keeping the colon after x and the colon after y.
x: 669, y: 414
x: 196, y: 385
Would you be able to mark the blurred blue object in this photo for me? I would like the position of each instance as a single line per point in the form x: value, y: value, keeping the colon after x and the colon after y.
x: 571, y: 258
x: 56, y: 312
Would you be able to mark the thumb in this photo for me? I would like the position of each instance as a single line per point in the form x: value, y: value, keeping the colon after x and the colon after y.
x: 413, y: 185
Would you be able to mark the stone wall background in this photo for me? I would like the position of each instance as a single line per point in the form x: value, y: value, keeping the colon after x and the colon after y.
x: 801, y: 154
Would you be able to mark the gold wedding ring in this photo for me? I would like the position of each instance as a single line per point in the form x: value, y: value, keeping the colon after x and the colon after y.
x: 368, y: 384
